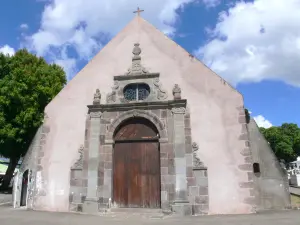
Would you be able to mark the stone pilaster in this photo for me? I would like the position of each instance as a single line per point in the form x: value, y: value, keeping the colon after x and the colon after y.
x: 91, y: 202
x: 181, y: 203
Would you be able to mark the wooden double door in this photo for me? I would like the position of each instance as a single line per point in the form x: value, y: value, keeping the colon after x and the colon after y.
x: 136, y: 165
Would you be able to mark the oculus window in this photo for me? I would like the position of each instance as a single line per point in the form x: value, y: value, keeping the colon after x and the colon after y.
x: 136, y: 92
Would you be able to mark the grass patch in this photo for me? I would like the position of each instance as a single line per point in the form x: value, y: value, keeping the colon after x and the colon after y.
x: 295, y: 201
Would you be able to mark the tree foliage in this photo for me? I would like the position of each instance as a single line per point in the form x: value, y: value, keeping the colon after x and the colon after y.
x: 27, y: 84
x: 247, y: 114
x: 284, y: 140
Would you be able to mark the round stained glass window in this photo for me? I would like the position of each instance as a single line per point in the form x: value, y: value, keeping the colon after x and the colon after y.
x: 136, y: 92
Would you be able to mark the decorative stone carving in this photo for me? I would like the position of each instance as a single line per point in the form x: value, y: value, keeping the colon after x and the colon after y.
x: 111, y: 97
x: 136, y: 67
x: 95, y: 114
x: 196, y: 161
x: 116, y: 85
x: 79, y: 163
x: 180, y: 110
x: 176, y: 92
x: 135, y: 113
x: 161, y: 93
x: 97, y: 97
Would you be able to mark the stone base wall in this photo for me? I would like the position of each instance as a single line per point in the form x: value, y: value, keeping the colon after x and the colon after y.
x: 77, y: 190
x: 198, y: 192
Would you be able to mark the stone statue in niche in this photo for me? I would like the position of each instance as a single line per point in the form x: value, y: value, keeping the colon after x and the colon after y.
x: 161, y: 93
x: 176, y: 92
x: 79, y: 163
x: 196, y: 161
x: 136, y: 67
x: 97, y: 97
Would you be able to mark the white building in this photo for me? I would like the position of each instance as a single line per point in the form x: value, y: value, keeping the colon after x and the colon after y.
x: 294, y: 172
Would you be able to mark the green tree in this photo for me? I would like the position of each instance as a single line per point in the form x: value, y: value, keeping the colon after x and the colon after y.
x: 27, y: 84
x: 247, y: 114
x: 284, y: 140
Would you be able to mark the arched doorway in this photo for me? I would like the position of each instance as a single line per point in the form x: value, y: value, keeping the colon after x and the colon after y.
x: 24, y: 188
x: 136, y: 165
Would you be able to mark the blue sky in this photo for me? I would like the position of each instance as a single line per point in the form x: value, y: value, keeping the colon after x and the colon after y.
x: 254, y: 45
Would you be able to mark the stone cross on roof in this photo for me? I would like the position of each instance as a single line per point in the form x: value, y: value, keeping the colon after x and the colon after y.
x: 138, y: 11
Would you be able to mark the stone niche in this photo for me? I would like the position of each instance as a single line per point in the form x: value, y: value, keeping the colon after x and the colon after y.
x: 183, y: 177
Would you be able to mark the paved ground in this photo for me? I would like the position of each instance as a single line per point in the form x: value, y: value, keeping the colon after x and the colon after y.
x: 10, y: 216
x: 5, y: 199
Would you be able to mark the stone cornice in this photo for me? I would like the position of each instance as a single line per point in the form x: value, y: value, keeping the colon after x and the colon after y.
x: 138, y: 105
x: 134, y: 77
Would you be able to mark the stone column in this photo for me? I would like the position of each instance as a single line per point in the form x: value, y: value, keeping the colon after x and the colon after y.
x: 181, y: 203
x: 90, y: 204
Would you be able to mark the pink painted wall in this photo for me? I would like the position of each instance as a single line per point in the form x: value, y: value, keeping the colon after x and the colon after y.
x: 212, y: 103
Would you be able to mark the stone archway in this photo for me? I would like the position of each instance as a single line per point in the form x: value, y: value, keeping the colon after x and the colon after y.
x: 161, y: 127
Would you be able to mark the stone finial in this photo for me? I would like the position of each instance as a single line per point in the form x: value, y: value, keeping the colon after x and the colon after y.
x: 97, y: 97
x: 177, y: 92
x: 136, y: 67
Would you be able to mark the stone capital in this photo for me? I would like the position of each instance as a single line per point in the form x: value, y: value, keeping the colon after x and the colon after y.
x: 180, y: 110
x: 95, y: 114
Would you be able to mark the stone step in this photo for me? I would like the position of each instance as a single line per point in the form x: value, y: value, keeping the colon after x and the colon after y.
x: 135, y: 210
x: 131, y: 212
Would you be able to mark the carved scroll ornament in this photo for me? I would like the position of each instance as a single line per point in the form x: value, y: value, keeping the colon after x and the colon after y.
x: 196, y: 161
x: 161, y: 93
x: 79, y: 163
x: 180, y: 110
x: 112, y: 97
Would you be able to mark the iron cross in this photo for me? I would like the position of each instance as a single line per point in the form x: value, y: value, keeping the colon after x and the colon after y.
x: 139, y: 11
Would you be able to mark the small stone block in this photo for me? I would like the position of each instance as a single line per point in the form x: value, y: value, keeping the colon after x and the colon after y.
x: 203, y: 190
x: 200, y: 210
x: 201, y: 199
x: 182, y: 209
x: 73, y: 207
x: 90, y: 206
x: 194, y: 191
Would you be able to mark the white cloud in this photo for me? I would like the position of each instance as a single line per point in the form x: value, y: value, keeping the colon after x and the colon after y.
x: 80, y: 24
x: 255, y: 41
x: 24, y: 26
x: 7, y: 50
x: 262, y: 121
x: 211, y: 3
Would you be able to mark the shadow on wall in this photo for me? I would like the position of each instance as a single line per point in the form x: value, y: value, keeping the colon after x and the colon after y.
x: 270, y: 180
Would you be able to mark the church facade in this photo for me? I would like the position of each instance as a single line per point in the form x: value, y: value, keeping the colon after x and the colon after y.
x: 169, y: 135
